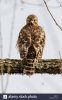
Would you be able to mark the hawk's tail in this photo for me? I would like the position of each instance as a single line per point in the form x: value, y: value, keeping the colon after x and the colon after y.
x: 29, y: 67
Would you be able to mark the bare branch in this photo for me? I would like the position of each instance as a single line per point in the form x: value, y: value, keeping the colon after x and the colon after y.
x: 52, y: 66
x: 52, y: 16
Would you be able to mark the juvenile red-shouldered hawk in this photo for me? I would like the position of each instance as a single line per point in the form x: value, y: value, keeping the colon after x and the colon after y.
x: 31, y: 42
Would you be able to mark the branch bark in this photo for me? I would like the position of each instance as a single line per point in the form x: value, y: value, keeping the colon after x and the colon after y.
x: 51, y: 66
x: 52, y: 16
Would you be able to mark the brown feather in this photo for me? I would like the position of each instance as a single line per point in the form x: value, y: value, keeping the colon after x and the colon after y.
x: 31, y: 42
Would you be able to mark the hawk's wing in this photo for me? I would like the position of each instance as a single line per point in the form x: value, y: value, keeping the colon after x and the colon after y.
x: 42, y: 38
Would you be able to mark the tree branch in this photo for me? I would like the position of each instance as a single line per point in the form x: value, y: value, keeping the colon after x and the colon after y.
x: 52, y: 66
x: 52, y: 16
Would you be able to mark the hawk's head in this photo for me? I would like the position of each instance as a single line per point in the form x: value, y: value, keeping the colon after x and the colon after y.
x: 32, y: 19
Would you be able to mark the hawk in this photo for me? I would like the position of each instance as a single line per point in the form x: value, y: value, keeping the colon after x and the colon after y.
x: 30, y: 43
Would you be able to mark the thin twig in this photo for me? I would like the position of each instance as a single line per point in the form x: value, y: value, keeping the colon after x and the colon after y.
x: 52, y: 16
x: 59, y: 54
x: 11, y: 31
x: 40, y: 4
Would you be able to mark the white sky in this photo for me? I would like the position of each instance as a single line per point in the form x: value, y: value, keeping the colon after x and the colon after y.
x: 36, y: 83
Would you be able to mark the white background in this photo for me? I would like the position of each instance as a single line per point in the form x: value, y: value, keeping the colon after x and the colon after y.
x: 39, y: 83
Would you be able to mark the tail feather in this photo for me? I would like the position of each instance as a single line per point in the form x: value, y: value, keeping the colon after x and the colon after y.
x: 29, y: 69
